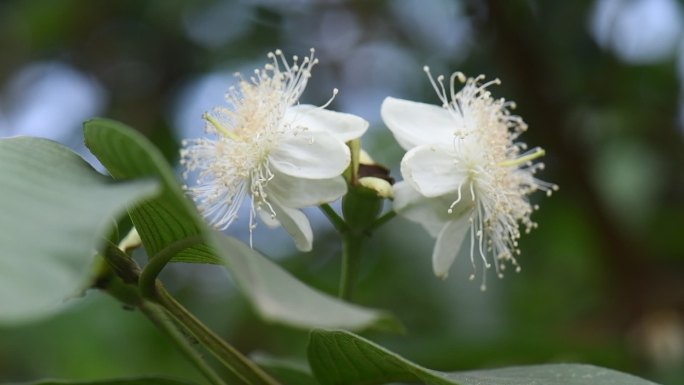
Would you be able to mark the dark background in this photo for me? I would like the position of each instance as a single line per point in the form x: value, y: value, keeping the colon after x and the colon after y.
x: 598, y: 82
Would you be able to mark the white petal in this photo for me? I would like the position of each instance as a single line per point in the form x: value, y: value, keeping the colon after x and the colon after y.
x: 433, y: 170
x: 344, y: 127
x: 298, y: 192
x: 267, y: 217
x: 414, y: 124
x: 295, y: 223
x: 448, y: 244
x: 310, y: 154
x: 431, y: 213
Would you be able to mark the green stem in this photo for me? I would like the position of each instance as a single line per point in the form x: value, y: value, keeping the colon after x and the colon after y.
x: 351, y: 260
x: 115, y: 285
x: 160, y: 318
x: 382, y: 220
x: 244, y: 369
x: 334, y: 218
x: 149, y: 274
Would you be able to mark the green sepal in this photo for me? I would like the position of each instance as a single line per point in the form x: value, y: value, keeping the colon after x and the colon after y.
x: 360, y: 208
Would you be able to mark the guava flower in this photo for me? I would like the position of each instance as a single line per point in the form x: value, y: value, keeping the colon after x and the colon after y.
x: 283, y: 155
x: 465, y: 175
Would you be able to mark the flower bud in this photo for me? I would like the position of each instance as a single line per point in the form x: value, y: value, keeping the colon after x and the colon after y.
x: 382, y: 188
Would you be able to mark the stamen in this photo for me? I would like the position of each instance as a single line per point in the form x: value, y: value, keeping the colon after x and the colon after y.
x: 472, y: 245
x: 220, y: 128
x: 454, y: 203
x: 452, y: 86
x: 534, y: 154
x: 326, y: 104
x: 441, y: 93
x: 484, y: 86
x: 440, y: 80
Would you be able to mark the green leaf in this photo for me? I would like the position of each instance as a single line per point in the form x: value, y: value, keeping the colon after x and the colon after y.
x: 56, y: 210
x: 279, y: 297
x: 287, y: 371
x: 171, y: 218
x: 123, y: 381
x: 342, y: 358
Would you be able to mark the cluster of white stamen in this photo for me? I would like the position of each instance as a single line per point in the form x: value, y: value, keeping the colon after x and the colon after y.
x: 234, y: 160
x: 500, y: 171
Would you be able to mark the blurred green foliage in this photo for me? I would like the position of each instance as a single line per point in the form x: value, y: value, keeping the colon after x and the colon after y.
x: 602, y: 278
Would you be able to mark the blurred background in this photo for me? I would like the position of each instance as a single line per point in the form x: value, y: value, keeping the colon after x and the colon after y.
x: 600, y: 83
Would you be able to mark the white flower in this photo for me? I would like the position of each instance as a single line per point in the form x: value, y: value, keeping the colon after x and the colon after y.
x: 264, y: 144
x: 464, y: 173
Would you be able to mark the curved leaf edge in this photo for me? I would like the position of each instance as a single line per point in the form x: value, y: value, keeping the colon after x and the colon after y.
x: 343, y: 366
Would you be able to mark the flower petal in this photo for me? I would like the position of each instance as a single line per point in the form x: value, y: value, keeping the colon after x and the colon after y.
x: 344, y: 127
x: 414, y: 124
x: 295, y: 223
x: 267, y: 217
x: 298, y: 192
x: 432, y: 170
x: 431, y: 213
x: 311, y: 155
x: 449, y: 242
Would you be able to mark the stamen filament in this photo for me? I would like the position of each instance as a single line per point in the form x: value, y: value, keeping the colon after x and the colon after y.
x: 537, y: 153
x: 220, y: 128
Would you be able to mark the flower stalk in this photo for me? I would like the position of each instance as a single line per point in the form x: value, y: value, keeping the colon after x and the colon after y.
x: 334, y: 218
x: 148, y: 277
x: 351, y: 261
x: 360, y: 208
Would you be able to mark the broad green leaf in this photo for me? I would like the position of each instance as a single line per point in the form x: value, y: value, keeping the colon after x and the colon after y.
x: 122, y: 381
x: 55, y: 212
x: 171, y: 218
x: 342, y: 358
x: 279, y: 297
x: 161, y: 221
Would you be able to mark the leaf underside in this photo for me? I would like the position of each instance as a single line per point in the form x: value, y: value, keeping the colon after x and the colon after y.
x: 342, y: 358
x: 55, y: 212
